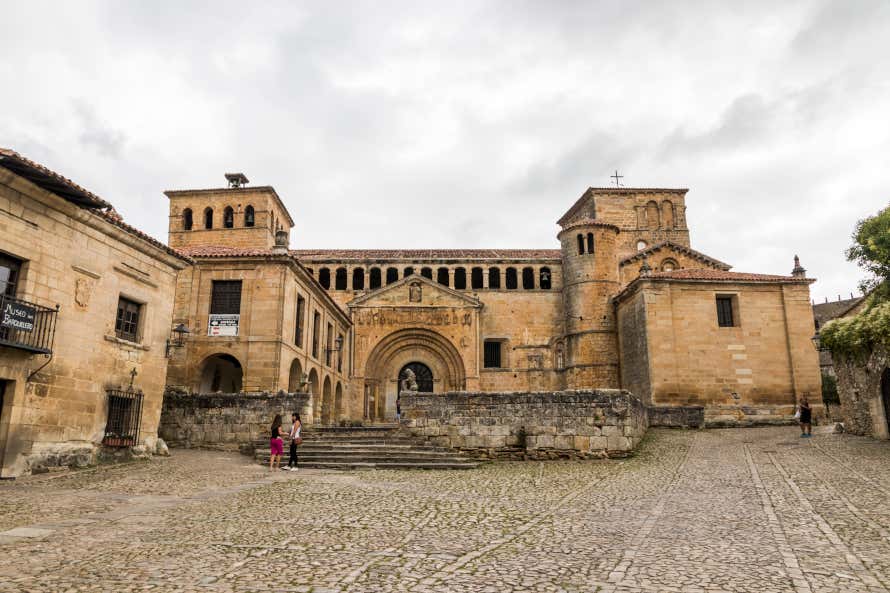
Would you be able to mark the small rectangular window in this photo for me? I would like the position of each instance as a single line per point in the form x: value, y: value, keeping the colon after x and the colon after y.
x: 126, y: 324
x: 225, y: 298
x: 727, y: 313
x: 493, y: 354
x: 301, y: 313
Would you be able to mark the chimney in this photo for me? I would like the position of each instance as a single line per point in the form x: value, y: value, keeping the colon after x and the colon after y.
x: 798, y: 271
x: 282, y: 242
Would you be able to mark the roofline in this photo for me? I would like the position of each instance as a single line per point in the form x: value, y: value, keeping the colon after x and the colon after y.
x: 617, y: 190
x: 170, y: 193
x: 678, y: 247
x: 359, y: 300
x: 326, y: 259
x: 636, y: 282
x: 50, y: 181
x: 589, y: 222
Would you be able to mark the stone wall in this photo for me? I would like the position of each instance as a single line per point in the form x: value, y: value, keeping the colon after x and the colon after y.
x: 551, y: 424
x: 677, y: 416
x: 859, y: 389
x: 225, y: 420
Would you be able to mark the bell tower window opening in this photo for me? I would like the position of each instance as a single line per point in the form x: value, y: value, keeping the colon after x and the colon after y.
x: 528, y: 279
x: 358, y: 279
x: 476, y: 277
x: 208, y: 218
x: 324, y: 278
x: 187, y: 219
x: 375, y: 281
x: 580, y: 244
x: 228, y: 217
x: 544, y: 279
x: 442, y: 276
x: 408, y: 271
x: 512, y: 280
x: 392, y: 275
x: 426, y: 273
x: 249, y: 216
x: 340, y: 279
x: 460, y: 279
x: 589, y: 242
x: 494, y: 278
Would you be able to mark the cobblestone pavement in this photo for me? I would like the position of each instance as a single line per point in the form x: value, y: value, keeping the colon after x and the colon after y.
x: 702, y: 511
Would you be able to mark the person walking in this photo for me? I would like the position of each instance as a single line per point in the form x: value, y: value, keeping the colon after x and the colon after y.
x: 296, y: 430
x: 276, y: 445
x: 398, y: 407
x: 806, y: 419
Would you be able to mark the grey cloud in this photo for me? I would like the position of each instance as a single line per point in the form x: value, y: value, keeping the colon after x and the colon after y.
x: 108, y: 141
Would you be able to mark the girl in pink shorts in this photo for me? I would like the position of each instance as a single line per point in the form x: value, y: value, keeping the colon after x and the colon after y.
x: 276, y: 445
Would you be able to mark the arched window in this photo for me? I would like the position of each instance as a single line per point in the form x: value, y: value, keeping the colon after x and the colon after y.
x: 512, y: 279
x: 324, y: 278
x: 187, y: 219
x: 249, y: 216
x: 589, y: 242
x: 442, y: 276
x: 544, y: 279
x: 208, y: 218
x: 669, y: 265
x: 340, y: 279
x: 494, y: 278
x: 528, y: 279
x: 228, y: 217
x: 408, y: 271
x: 641, y: 245
x: 667, y: 214
x: 426, y: 273
x: 392, y: 275
x: 476, y: 278
x: 652, y: 215
x: 460, y: 278
x: 580, y: 244
x: 358, y: 279
x: 375, y: 278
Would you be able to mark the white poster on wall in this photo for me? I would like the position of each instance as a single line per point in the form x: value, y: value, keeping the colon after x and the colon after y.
x: 223, y: 324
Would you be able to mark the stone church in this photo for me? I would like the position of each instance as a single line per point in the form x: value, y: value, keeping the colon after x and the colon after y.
x: 623, y: 301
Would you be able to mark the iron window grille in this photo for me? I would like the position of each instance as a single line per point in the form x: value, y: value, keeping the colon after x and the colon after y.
x: 124, y: 417
x: 39, y: 336
x: 226, y: 297
x: 126, y: 325
x: 492, y: 354
x: 725, y: 316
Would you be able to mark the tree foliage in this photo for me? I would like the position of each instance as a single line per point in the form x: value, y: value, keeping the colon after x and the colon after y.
x: 871, y: 251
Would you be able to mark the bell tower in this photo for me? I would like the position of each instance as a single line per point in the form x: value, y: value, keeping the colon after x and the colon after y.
x: 590, y: 279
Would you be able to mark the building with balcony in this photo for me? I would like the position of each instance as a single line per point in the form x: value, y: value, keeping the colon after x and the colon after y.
x: 86, y: 303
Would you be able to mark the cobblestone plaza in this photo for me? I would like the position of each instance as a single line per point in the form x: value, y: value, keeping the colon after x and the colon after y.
x: 699, y: 511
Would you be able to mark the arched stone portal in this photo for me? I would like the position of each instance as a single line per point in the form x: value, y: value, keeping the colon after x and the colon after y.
x: 220, y: 373
x: 295, y: 378
x: 327, y: 402
x: 398, y: 350
x: 315, y: 404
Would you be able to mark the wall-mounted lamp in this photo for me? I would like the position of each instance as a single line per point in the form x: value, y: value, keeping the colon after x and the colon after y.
x: 338, y: 345
x: 178, y: 340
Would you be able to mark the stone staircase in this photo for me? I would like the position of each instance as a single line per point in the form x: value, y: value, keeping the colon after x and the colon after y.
x: 366, y: 447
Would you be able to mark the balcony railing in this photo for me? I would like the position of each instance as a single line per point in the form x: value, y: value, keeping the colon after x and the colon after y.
x: 27, y: 326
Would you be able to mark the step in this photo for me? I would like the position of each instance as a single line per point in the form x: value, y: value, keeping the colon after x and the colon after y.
x: 389, y: 465
x: 374, y: 459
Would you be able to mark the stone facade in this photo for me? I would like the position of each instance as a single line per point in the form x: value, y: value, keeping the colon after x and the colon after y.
x: 225, y: 421
x: 537, y: 425
x: 864, y: 390
x: 73, y: 252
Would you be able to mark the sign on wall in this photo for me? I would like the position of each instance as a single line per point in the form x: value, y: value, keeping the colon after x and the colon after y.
x: 16, y: 316
x: 223, y: 324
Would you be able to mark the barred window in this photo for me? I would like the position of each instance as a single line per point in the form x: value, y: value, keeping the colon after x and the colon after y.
x: 126, y: 325
x: 493, y: 354
x: 726, y: 314
x: 226, y: 297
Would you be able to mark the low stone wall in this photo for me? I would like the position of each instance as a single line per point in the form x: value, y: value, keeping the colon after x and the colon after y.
x: 677, y: 416
x: 529, y: 425
x: 225, y: 420
x: 859, y: 389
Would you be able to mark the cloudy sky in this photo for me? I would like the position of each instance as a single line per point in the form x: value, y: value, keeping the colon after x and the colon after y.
x: 470, y: 124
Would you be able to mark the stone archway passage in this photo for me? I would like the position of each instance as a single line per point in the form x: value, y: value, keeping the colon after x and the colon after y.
x: 295, y: 378
x: 220, y: 373
x: 327, y: 402
x: 405, y: 347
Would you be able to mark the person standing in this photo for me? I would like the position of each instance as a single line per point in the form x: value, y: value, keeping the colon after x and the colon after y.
x: 806, y: 419
x: 276, y: 445
x: 296, y: 430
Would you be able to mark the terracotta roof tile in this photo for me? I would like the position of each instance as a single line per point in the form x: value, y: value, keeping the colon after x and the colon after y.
x: 114, y: 218
x: 590, y: 222
x: 50, y: 180
x: 222, y: 251
x: 678, y: 248
x: 722, y: 276
x: 309, y: 255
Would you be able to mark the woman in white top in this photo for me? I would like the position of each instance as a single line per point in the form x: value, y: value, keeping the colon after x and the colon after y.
x: 295, y: 439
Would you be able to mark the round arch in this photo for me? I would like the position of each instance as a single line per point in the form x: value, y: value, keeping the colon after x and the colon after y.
x: 338, y: 402
x: 406, y: 346
x: 314, y: 391
x: 295, y: 378
x: 327, y: 402
x: 220, y: 373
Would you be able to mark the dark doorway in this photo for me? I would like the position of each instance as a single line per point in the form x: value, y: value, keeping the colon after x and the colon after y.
x: 885, y: 396
x: 4, y: 418
x: 423, y: 374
